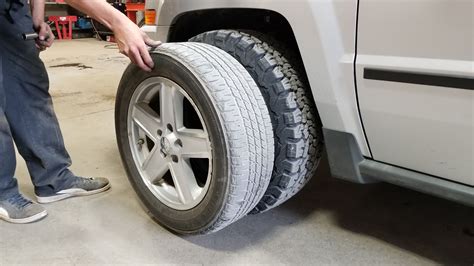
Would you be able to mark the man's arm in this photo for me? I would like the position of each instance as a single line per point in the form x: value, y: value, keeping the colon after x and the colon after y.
x: 46, y: 36
x: 131, y: 40
x: 37, y: 11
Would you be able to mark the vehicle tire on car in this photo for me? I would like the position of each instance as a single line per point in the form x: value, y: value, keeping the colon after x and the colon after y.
x: 297, y: 127
x: 195, y: 137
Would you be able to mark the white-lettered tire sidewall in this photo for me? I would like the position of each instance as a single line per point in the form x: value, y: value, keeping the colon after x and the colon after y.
x: 201, y: 217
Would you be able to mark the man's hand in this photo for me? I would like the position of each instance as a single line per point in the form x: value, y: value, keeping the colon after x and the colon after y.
x: 46, y: 36
x: 133, y: 43
x: 131, y: 40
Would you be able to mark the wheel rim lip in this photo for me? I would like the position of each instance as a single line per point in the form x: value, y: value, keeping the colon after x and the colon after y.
x: 165, y: 193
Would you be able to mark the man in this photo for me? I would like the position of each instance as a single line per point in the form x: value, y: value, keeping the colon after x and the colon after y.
x: 26, y: 112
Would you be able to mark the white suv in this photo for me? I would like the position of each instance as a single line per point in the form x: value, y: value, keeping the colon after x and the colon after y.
x: 246, y: 94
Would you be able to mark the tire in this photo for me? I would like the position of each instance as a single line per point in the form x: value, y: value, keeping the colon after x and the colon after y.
x: 297, y: 127
x: 232, y: 120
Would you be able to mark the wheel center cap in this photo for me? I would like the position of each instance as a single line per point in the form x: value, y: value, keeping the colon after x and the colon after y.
x: 165, y: 145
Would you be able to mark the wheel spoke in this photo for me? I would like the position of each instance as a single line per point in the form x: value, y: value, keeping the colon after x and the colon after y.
x: 184, y: 180
x: 146, y: 119
x: 155, y: 166
x: 171, y: 102
x: 162, y: 145
x: 195, y: 143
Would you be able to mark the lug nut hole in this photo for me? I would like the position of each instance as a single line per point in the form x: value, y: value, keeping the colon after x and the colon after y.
x: 179, y: 143
x: 174, y: 158
x: 170, y: 127
x: 160, y: 132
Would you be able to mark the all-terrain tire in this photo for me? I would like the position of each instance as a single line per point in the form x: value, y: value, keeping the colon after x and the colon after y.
x: 297, y: 127
x: 239, y: 127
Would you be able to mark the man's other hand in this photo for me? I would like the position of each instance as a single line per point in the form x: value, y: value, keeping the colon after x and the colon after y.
x: 46, y: 36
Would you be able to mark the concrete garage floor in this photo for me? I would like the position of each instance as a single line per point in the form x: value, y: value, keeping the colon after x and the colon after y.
x: 329, y: 222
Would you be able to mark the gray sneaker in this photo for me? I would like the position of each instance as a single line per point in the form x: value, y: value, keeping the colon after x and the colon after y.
x: 79, y: 187
x: 20, y: 210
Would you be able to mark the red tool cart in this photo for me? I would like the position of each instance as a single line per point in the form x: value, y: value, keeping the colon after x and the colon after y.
x: 66, y: 23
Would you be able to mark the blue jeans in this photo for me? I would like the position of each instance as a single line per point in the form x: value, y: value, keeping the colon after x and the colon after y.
x: 26, y: 112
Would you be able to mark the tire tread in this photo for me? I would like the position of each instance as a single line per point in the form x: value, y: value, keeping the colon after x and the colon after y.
x: 246, y: 120
x: 296, y: 124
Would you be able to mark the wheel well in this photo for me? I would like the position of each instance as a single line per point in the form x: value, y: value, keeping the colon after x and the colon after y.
x: 192, y: 23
